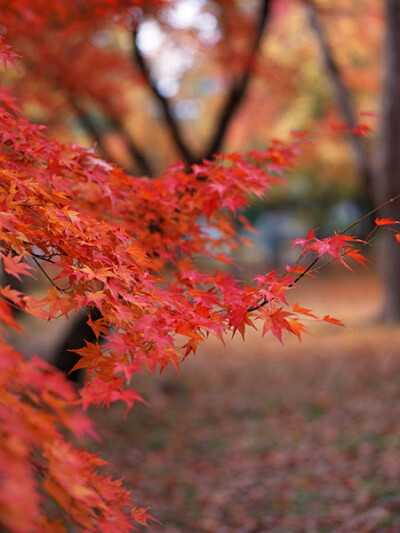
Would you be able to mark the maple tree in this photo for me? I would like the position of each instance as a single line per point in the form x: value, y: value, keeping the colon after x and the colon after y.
x: 125, y: 251
x: 58, y: 84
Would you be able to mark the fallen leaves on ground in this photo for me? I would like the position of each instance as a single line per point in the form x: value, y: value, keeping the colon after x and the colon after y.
x: 260, y: 438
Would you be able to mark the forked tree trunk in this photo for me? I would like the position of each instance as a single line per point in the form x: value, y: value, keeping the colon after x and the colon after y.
x: 388, y: 183
x: 79, y: 330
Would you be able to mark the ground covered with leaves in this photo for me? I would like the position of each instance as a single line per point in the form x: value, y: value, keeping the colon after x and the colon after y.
x: 256, y: 437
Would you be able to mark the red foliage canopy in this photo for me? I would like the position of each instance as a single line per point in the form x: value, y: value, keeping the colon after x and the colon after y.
x: 104, y: 240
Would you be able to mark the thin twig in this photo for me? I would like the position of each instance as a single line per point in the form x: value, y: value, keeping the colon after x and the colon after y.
x: 373, y: 211
x: 238, y: 88
x: 169, y: 115
x: 309, y: 269
x: 47, y: 276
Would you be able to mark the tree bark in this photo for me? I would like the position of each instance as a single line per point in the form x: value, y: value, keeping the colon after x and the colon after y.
x: 388, y: 184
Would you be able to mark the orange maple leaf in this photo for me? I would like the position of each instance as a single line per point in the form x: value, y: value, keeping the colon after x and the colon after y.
x: 385, y: 221
x: 333, y: 320
x: 275, y: 320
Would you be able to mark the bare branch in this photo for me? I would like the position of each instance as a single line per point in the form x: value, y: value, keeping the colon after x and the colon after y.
x: 92, y: 129
x: 137, y: 153
x: 239, y: 87
x: 169, y: 115
x: 89, y: 125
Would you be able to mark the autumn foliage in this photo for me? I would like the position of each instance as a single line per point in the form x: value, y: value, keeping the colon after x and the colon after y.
x: 126, y: 249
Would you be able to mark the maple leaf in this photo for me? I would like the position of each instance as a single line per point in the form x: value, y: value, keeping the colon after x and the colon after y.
x: 275, y: 288
x: 58, y: 304
x: 385, y: 221
x: 303, y: 311
x: 295, y: 269
x: 335, y: 246
x: 7, y: 318
x: 241, y: 327
x: 297, y: 328
x: 237, y: 316
x: 13, y: 265
x: 224, y: 258
x: 190, y: 347
x: 97, y: 392
x: 9, y: 100
x: 275, y: 320
x: 333, y: 320
x: 304, y: 242
x: 7, y: 55
x: 13, y: 295
x: 361, y: 129
x: 127, y: 369
x: 98, y: 326
x: 141, y: 516
x: 357, y: 256
x: 91, y: 357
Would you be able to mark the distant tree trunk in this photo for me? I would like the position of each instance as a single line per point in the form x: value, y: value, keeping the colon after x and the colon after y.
x: 388, y: 184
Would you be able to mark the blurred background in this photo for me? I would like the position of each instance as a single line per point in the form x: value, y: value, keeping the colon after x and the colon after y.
x: 255, y: 437
x: 150, y: 87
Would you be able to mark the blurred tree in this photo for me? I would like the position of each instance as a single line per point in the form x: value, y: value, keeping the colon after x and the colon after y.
x: 345, y: 106
x: 381, y: 183
x: 160, y: 84
x: 102, y: 73
x: 388, y: 183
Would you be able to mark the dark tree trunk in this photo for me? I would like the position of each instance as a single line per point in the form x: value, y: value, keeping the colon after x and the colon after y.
x: 78, y: 330
x: 388, y: 184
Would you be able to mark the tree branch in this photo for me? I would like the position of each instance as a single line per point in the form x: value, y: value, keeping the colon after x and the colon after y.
x: 96, y: 134
x: 89, y: 125
x: 137, y: 153
x: 169, y: 115
x: 343, y: 100
x: 239, y: 87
